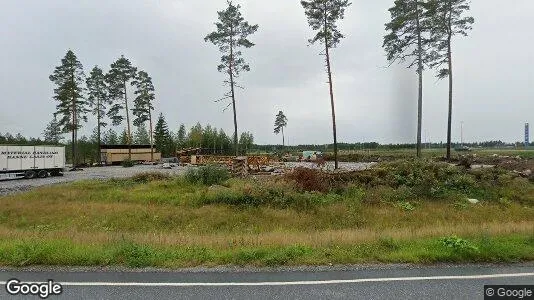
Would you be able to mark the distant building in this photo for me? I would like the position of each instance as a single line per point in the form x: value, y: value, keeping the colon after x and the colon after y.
x: 311, y: 155
x: 115, y: 154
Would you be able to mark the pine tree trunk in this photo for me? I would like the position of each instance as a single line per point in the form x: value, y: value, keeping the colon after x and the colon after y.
x: 129, y: 137
x: 73, y: 155
x: 449, y: 121
x: 151, y: 135
x: 231, y: 72
x: 420, y: 73
x: 449, y: 58
x: 98, y: 135
x: 329, y: 70
x: 283, y: 138
x: 74, y: 129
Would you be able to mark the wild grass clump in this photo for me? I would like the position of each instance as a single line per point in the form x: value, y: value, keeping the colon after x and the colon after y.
x: 135, y: 255
x: 38, y: 251
x: 207, y: 175
x: 458, y: 244
x: 272, y: 193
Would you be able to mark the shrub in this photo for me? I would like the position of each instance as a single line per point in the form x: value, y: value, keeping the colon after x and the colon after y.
x: 466, y: 161
x: 403, y: 194
x: 458, y: 244
x: 427, y: 179
x: 519, y: 190
x: 149, y: 177
x: 461, y: 183
x: 421, y: 176
x: 127, y: 163
x: 273, y: 193
x: 207, y: 175
x: 309, y: 180
x: 354, y: 194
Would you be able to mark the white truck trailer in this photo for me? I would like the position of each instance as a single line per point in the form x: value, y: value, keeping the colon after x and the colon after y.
x: 31, y: 161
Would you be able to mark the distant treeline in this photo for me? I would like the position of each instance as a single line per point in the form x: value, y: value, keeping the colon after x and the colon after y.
x: 212, y: 141
x: 377, y: 146
x: 18, y: 139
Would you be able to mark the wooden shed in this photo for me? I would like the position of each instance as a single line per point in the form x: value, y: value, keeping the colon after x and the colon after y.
x: 115, y: 154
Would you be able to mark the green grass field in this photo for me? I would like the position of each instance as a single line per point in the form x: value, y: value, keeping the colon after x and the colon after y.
x: 413, y: 213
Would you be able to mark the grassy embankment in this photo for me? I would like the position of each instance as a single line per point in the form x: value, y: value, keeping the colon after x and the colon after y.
x: 398, y: 212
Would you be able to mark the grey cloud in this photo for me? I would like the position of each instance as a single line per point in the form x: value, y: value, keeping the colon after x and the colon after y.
x: 493, y: 94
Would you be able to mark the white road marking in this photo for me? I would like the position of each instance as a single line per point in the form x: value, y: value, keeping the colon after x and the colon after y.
x: 281, y: 283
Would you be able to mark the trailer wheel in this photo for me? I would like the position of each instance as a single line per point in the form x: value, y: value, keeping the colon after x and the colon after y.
x: 42, y: 174
x: 55, y: 173
x: 29, y: 174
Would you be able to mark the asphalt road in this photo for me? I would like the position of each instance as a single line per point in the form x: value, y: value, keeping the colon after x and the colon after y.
x: 388, y: 282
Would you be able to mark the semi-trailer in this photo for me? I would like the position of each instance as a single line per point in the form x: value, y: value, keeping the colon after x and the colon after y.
x: 31, y: 161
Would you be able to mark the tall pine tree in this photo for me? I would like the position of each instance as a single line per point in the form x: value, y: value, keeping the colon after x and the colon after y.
x: 111, y: 138
x: 323, y: 16
x: 408, y: 39
x: 72, y: 107
x: 143, y: 104
x: 52, y: 133
x: 124, y: 139
x: 181, y: 136
x: 162, y: 137
x: 142, y: 136
x: 98, y: 101
x: 279, y: 123
x: 232, y: 34
x: 225, y: 142
x: 448, y: 21
x: 118, y: 77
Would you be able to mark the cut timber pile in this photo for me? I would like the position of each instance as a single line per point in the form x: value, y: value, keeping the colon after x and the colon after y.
x: 240, y: 166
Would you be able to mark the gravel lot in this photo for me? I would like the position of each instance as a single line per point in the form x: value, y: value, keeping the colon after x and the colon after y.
x: 21, y: 185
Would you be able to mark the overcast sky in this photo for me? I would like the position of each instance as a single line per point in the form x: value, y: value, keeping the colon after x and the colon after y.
x: 493, y: 68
